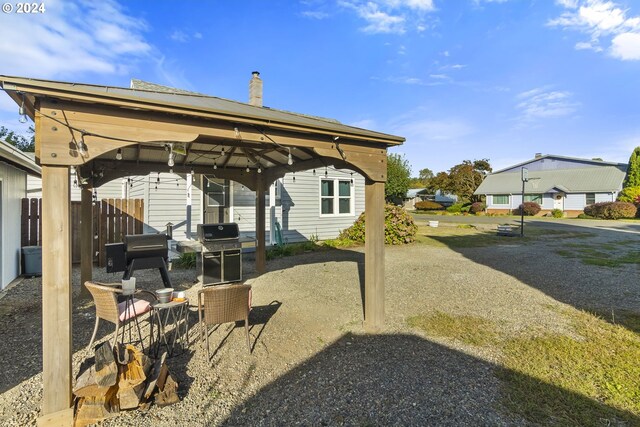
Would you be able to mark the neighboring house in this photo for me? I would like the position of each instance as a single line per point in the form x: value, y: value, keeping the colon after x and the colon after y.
x: 415, y: 195
x: 15, y: 166
x: 554, y: 182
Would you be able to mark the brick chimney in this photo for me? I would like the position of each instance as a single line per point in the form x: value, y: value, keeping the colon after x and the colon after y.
x: 255, y: 89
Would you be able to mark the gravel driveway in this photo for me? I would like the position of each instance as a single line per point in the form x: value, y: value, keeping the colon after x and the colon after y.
x: 312, y: 364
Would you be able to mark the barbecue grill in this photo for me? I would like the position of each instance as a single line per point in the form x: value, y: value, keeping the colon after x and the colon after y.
x: 139, y: 252
x: 220, y: 259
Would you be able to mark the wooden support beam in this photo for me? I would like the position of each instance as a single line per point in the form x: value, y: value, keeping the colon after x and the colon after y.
x: 86, y: 240
x: 261, y: 250
x: 56, y: 289
x: 374, y: 257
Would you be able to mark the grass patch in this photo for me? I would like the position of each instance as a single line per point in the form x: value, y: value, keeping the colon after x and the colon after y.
x: 340, y: 243
x: 291, y: 249
x: 472, y: 330
x: 613, y: 254
x: 587, y: 381
x: 186, y: 261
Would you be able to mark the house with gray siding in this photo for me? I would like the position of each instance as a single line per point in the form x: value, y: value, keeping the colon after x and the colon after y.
x: 554, y: 182
x: 15, y: 166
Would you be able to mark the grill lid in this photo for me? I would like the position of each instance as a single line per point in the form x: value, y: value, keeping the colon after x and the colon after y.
x: 215, y: 232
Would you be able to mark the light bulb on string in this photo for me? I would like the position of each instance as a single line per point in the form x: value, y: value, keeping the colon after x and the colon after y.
x: 82, y: 146
x: 171, y: 162
x: 259, y: 169
x: 215, y: 166
x: 22, y: 112
x: 119, y: 154
x: 314, y: 172
x: 294, y: 177
x: 289, y: 158
x: 326, y: 173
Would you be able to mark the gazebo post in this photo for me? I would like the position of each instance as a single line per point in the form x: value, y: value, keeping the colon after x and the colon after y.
x: 86, y: 239
x: 374, y: 257
x: 261, y: 250
x: 56, y: 289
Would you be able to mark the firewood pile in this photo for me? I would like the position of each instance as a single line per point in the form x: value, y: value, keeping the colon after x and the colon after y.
x: 121, y: 378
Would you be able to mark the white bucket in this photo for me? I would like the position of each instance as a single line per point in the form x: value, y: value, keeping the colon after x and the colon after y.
x: 433, y: 224
x: 128, y: 286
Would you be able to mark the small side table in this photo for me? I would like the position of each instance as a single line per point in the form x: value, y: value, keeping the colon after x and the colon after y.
x: 171, y: 322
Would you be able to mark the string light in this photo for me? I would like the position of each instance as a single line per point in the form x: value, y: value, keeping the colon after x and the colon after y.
x: 248, y: 170
x: 326, y: 173
x: 351, y: 178
x: 215, y: 166
x: 289, y: 158
x: 82, y: 146
x: 294, y: 177
x: 119, y: 154
x: 314, y: 172
x: 259, y: 169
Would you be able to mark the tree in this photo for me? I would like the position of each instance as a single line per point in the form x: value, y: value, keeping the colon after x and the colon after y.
x: 464, y: 178
x: 398, y: 178
x: 439, y: 182
x: 19, y: 141
x: 633, y: 171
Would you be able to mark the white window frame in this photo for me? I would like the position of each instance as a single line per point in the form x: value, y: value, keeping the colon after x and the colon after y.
x: 336, y: 196
x: 493, y: 203
x: 530, y: 196
x: 586, y: 199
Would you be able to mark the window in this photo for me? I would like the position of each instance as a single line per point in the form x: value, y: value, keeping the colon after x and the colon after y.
x: 335, y: 197
x: 501, y: 199
x: 591, y: 198
x: 215, y: 191
x: 537, y: 198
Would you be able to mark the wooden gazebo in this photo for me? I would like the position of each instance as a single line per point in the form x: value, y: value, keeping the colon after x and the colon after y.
x: 110, y: 132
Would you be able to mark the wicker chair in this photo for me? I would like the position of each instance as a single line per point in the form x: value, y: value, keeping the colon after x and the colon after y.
x: 108, y: 308
x: 222, y: 304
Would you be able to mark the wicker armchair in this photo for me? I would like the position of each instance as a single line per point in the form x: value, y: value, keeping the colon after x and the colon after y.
x: 222, y: 304
x: 108, y: 308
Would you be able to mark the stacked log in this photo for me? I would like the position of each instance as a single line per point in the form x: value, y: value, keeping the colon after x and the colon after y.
x: 119, y: 379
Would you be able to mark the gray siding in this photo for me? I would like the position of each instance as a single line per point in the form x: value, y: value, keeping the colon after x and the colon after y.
x: 14, y: 188
x: 575, y: 202
x: 109, y: 190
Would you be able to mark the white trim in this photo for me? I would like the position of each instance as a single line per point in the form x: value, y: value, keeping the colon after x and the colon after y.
x: 336, y: 197
x: 231, y: 185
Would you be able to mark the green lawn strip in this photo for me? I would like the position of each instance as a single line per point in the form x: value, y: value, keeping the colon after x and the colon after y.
x: 605, y: 256
x: 591, y: 379
x: 587, y: 381
x: 291, y: 249
x: 472, y: 330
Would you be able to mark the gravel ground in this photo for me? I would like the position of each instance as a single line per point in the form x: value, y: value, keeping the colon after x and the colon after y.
x: 311, y: 364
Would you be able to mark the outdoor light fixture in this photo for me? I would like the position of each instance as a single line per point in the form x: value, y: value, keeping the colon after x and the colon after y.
x: 215, y: 166
x: 192, y: 172
x: 248, y: 170
x: 171, y: 161
x: 290, y: 159
x: 22, y: 112
x: 259, y: 169
x: 119, y: 154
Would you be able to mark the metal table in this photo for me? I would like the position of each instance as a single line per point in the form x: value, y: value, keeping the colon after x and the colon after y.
x: 171, y: 322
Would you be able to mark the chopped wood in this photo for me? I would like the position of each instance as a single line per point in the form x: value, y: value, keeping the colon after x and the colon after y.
x: 106, y: 369
x: 96, y: 408
x: 87, y: 386
x: 169, y: 394
x: 133, y: 373
x: 154, y: 375
x: 129, y: 397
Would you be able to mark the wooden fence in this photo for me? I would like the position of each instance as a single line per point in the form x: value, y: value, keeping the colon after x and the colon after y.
x: 112, y: 220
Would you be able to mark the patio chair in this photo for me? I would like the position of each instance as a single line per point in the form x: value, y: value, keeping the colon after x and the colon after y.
x: 119, y: 313
x: 223, y: 304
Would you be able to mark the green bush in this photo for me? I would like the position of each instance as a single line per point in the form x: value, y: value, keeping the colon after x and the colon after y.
x: 455, y: 208
x: 529, y: 208
x: 186, y: 260
x: 557, y: 213
x: 399, y: 227
x: 584, y: 216
x: 629, y: 194
x: 427, y: 205
x: 465, y: 207
x: 477, y: 207
x: 611, y: 210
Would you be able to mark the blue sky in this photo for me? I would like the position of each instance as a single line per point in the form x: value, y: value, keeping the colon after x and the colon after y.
x: 463, y: 79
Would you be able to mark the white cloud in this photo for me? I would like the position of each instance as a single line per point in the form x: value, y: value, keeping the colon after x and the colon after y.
x: 197, y: 35
x: 626, y: 46
x: 314, y: 14
x: 604, y: 22
x: 364, y: 124
x: 75, y: 37
x: 541, y: 103
x: 390, y: 16
x: 179, y: 36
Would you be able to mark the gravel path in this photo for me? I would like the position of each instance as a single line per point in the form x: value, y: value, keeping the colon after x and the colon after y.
x: 311, y: 364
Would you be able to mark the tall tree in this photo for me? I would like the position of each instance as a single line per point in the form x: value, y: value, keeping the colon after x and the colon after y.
x: 398, y: 178
x: 465, y: 178
x: 19, y: 141
x: 633, y: 171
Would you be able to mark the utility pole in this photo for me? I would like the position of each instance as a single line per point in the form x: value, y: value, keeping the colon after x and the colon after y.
x: 525, y: 178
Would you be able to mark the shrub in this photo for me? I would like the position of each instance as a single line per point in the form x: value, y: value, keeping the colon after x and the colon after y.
x: 584, y: 216
x: 427, y: 205
x: 455, y: 208
x: 629, y: 194
x: 399, y: 227
x: 557, y: 213
x: 529, y: 208
x: 611, y: 210
x: 477, y: 207
x: 186, y: 260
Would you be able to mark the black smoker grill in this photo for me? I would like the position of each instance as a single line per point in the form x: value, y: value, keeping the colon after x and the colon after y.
x: 139, y: 252
x: 220, y: 260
